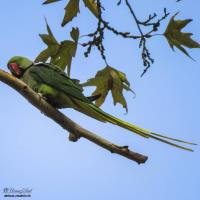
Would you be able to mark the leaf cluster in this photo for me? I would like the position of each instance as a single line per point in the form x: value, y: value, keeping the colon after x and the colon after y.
x: 60, y: 54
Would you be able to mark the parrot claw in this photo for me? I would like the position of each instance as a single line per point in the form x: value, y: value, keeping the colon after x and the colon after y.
x: 41, y: 96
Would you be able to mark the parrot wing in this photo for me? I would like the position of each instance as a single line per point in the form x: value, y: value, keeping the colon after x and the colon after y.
x: 61, y: 72
x: 57, y: 79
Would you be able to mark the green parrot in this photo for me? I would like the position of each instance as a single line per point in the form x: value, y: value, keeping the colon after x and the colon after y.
x: 62, y: 92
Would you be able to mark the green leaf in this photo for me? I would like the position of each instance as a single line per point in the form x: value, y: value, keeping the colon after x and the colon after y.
x: 64, y: 55
x: 52, y: 44
x: 47, y: 39
x: 75, y: 34
x: 92, y: 6
x: 177, y: 38
x: 71, y: 11
x: 50, y: 32
x: 60, y: 54
x: 50, y: 1
x: 109, y: 79
x: 43, y: 56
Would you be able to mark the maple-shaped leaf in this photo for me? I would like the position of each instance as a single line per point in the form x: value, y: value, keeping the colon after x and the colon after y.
x: 92, y: 6
x: 109, y: 79
x: 71, y: 11
x: 50, y: 1
x: 60, y: 54
x: 177, y: 38
x: 52, y: 46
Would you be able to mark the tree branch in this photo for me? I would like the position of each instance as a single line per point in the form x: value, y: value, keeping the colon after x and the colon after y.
x: 74, y: 129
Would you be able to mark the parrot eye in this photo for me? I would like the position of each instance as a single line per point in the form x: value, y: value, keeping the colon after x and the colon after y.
x: 15, y: 69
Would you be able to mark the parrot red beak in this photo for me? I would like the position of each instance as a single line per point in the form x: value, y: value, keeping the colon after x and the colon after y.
x: 15, y: 69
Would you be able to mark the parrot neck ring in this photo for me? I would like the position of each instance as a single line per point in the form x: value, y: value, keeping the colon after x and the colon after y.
x: 16, y: 70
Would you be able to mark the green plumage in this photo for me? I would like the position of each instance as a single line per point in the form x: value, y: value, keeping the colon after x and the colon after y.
x: 63, y: 92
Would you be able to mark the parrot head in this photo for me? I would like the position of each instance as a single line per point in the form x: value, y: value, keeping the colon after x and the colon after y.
x: 18, y: 65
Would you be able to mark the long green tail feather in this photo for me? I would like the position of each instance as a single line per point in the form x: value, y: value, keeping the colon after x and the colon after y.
x: 169, y: 138
x: 173, y: 144
x: 95, y: 112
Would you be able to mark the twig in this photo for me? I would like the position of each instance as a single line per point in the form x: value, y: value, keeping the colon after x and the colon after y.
x: 97, y: 37
x: 74, y: 129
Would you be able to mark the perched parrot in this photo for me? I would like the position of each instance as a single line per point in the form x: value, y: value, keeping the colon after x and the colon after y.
x: 62, y: 92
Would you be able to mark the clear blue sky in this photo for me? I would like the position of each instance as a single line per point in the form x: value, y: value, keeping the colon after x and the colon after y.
x: 35, y: 152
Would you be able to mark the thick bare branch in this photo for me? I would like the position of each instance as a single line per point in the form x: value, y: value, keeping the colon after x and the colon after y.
x: 74, y: 129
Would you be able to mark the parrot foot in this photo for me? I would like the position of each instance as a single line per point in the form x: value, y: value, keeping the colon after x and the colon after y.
x: 41, y: 96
